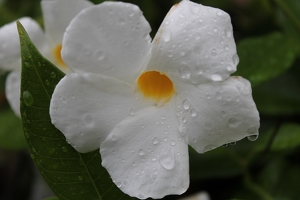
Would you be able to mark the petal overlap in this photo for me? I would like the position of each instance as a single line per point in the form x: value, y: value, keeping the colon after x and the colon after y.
x: 86, y: 108
x: 57, y: 16
x: 215, y: 114
x: 195, y: 44
x: 146, y: 156
x: 10, y: 57
x: 117, y: 44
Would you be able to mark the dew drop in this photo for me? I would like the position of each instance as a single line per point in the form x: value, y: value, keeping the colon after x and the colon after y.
x: 252, y: 130
x: 228, y: 32
x: 28, y: 98
x: 235, y: 59
x: 252, y: 137
x: 229, y: 68
x: 131, y: 111
x: 114, y: 138
x: 47, y: 82
x: 213, y: 52
x: 27, y: 65
x: 233, y: 122
x: 184, y: 72
x: 80, y: 178
x: 219, y: 13
x: 100, y: 55
x: 167, y: 162
x: 155, y: 141
x: 125, y: 182
x: 64, y: 149
x: 226, y: 47
x: 53, y: 75
x: 216, y: 77
x: 186, y: 104
x: 166, y: 36
x: 88, y: 118
x: 232, y: 143
x: 193, y: 113
x: 141, y: 152
x: 173, y: 142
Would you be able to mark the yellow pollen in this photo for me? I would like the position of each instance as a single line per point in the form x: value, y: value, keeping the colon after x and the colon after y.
x: 57, y: 55
x: 156, y: 86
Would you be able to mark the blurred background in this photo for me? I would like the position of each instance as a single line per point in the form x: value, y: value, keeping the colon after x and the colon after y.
x: 267, y: 33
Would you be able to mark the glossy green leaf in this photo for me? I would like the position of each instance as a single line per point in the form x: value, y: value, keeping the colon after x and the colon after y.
x: 69, y: 174
x: 263, y: 58
x: 11, y: 132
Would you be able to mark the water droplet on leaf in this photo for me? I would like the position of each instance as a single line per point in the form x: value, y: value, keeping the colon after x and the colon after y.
x: 28, y: 98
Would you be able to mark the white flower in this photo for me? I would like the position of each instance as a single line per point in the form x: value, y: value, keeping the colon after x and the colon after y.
x: 57, y: 16
x: 143, y: 103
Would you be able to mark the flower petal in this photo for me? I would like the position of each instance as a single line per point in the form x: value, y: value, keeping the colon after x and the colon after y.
x: 195, y: 44
x: 10, y: 57
x: 85, y: 108
x: 111, y: 38
x: 12, y: 90
x: 146, y: 156
x: 218, y: 113
x: 57, y: 16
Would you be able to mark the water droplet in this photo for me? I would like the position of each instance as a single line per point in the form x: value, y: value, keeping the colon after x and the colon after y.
x: 232, y: 143
x: 88, y: 118
x: 64, y: 149
x: 100, y: 55
x: 53, y: 75
x: 233, y: 122
x: 228, y: 32
x: 27, y: 65
x: 166, y: 36
x: 114, y: 138
x: 27, y: 135
x: 229, y: 68
x: 219, y: 13
x: 235, y: 59
x: 155, y: 141
x: 184, y: 72
x: 28, y: 98
x: 119, y: 185
x: 173, y: 142
x: 80, y: 178
x: 131, y: 111
x: 167, y: 162
x: 125, y: 182
x: 226, y: 47
x: 32, y: 156
x: 193, y: 113
x: 186, y: 104
x: 216, y: 77
x: 47, y: 82
x: 215, y: 29
x: 184, y: 120
x: 141, y: 152
x: 213, y: 52
x: 252, y: 137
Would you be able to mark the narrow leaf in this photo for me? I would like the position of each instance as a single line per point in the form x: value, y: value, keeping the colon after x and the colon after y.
x: 69, y: 174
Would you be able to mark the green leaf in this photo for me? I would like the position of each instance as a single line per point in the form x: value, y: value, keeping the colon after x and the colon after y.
x: 11, y: 132
x: 263, y: 58
x: 69, y: 174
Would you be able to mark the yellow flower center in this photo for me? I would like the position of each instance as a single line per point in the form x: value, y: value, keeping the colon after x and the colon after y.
x: 57, y: 55
x: 156, y: 86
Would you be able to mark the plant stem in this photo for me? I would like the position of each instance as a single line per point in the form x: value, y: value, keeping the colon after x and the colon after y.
x: 288, y: 13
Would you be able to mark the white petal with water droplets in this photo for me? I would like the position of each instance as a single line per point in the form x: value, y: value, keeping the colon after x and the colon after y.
x: 12, y: 90
x: 195, y: 44
x: 10, y: 56
x: 111, y: 38
x: 145, y: 155
x: 57, y: 16
x: 85, y: 108
x: 219, y: 113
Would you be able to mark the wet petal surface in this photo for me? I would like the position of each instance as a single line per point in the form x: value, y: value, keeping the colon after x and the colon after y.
x: 86, y: 108
x: 111, y: 38
x: 215, y: 114
x: 146, y: 156
x: 195, y: 44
